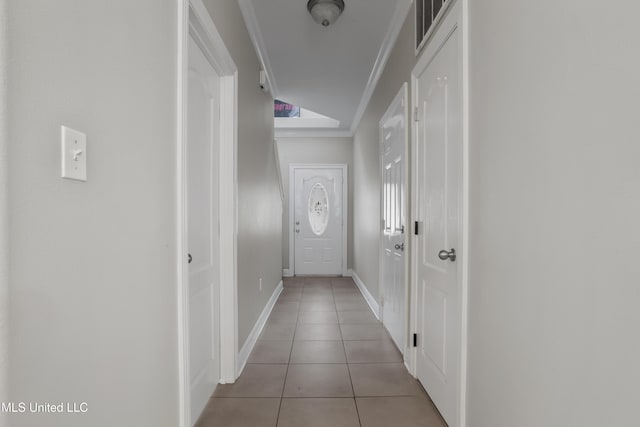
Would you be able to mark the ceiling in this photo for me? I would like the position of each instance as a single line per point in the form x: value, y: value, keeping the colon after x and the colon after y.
x: 331, y: 71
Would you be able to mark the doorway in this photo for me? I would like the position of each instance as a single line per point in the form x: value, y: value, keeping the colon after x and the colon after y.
x: 394, y: 135
x: 439, y: 246
x: 318, y: 212
x: 206, y: 217
x: 203, y: 156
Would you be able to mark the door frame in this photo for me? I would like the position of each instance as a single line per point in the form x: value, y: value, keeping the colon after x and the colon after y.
x: 456, y: 17
x: 345, y: 209
x: 194, y: 20
x: 402, y: 96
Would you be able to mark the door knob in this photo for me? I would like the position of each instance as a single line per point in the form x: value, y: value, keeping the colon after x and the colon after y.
x: 447, y: 255
x: 190, y: 258
x: 297, y: 222
x: 399, y: 247
x: 297, y: 230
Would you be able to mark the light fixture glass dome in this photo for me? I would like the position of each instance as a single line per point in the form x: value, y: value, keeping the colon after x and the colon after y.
x: 325, y: 12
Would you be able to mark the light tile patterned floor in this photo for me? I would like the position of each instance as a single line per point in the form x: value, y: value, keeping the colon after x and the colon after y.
x: 323, y: 360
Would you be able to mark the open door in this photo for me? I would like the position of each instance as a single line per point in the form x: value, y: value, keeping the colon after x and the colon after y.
x: 393, y: 141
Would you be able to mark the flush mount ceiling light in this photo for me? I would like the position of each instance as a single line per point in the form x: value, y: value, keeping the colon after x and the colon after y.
x: 325, y: 12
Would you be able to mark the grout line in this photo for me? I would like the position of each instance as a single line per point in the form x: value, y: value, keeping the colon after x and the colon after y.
x: 286, y: 374
x: 353, y: 390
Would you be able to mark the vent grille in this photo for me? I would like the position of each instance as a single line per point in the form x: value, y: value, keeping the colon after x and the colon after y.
x: 428, y: 13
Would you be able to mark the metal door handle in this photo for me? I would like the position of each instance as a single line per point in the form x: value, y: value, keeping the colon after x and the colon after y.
x: 190, y: 258
x: 399, y: 247
x: 297, y: 230
x: 447, y: 255
x: 297, y: 222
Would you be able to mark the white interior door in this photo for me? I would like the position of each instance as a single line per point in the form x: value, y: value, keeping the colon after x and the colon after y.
x: 318, y: 220
x: 203, y: 111
x: 393, y: 134
x: 438, y: 169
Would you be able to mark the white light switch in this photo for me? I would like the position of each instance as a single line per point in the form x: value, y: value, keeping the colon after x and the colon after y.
x: 74, y: 154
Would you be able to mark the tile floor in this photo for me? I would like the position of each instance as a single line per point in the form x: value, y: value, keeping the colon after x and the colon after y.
x: 323, y: 360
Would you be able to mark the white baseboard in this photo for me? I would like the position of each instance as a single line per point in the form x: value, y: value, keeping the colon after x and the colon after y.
x: 286, y: 273
x: 247, y: 348
x: 348, y: 273
x: 375, y: 307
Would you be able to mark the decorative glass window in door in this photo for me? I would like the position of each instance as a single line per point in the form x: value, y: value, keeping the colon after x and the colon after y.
x: 318, y: 209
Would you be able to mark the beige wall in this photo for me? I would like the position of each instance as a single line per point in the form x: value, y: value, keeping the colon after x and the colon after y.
x: 366, y: 159
x: 554, y: 236
x: 93, y: 277
x: 315, y: 150
x: 4, y: 228
x: 554, y: 272
x: 259, y: 206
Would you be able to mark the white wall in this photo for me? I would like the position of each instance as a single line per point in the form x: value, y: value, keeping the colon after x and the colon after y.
x: 314, y: 150
x: 4, y: 247
x: 259, y: 206
x: 366, y: 159
x: 93, y: 277
x: 555, y: 202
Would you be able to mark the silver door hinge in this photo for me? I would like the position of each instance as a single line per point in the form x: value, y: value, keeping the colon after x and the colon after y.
x: 416, y: 114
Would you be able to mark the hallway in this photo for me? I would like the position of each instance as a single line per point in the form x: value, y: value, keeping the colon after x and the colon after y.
x: 323, y: 359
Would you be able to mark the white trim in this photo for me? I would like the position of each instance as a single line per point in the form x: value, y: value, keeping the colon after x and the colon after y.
x: 297, y: 138
x: 312, y: 133
x: 194, y: 20
x: 250, y: 343
x: 286, y: 273
x: 250, y: 20
x: 373, y: 304
x: 454, y: 19
x: 464, y: 253
x: 305, y: 123
x: 413, y: 303
x: 228, y: 228
x: 345, y: 209
x: 184, y: 400
x: 402, y: 98
x: 397, y: 21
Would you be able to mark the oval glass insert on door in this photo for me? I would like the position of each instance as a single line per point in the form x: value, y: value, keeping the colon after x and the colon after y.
x: 318, y: 209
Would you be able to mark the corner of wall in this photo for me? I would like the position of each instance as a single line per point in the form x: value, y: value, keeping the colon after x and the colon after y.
x: 249, y: 344
x: 371, y: 300
x: 4, y: 247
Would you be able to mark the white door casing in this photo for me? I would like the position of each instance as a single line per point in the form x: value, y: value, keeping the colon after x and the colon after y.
x: 195, y: 26
x: 318, y: 210
x: 439, y: 209
x: 203, y: 146
x: 393, y: 144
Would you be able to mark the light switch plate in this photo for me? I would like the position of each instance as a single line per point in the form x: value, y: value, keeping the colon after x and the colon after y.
x: 74, y: 154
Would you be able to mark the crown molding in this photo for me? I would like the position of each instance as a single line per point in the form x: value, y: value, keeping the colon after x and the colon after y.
x: 251, y: 22
x: 399, y: 16
x: 312, y: 133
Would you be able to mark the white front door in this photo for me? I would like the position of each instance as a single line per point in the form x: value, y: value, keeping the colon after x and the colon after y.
x: 438, y: 171
x: 318, y: 220
x: 393, y: 134
x: 202, y: 223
